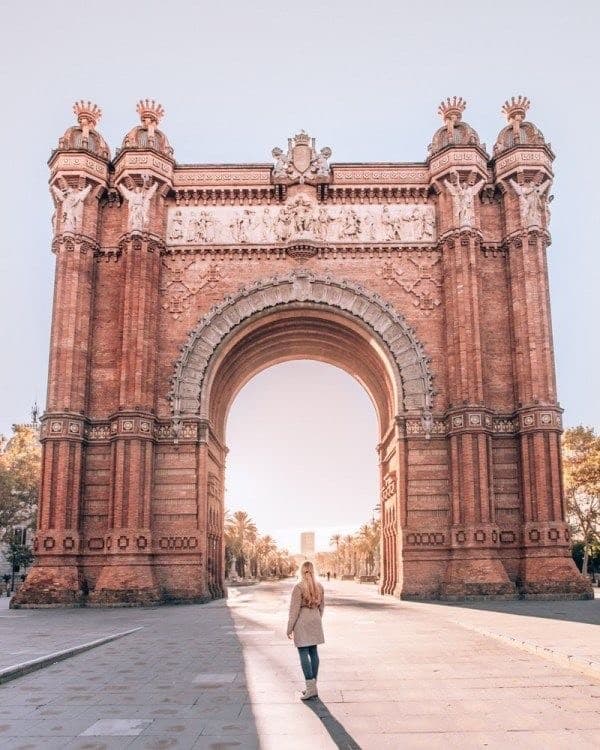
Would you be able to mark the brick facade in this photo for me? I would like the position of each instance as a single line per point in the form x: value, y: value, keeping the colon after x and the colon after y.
x: 175, y: 284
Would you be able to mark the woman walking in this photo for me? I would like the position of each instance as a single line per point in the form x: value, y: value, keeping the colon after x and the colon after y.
x: 304, y: 622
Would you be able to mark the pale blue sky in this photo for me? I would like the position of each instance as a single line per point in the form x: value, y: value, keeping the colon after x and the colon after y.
x: 237, y: 78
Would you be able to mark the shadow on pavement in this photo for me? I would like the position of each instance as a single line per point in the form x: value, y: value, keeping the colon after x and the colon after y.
x: 336, y: 731
x: 586, y: 611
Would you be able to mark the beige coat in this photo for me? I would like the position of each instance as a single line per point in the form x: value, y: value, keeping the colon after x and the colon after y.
x: 305, y: 622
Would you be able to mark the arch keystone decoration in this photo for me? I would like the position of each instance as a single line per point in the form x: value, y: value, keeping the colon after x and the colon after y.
x: 298, y: 288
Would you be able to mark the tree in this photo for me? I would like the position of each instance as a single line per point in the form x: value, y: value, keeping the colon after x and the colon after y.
x: 240, y: 534
x: 17, y: 554
x: 581, y: 460
x: 20, y: 464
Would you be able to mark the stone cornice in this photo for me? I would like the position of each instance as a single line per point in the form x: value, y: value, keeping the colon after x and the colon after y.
x: 137, y: 240
x: 322, y: 250
x: 71, y: 242
x: 77, y: 162
x: 520, y: 158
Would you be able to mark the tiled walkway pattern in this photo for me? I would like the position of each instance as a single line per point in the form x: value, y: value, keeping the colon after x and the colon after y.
x: 224, y: 676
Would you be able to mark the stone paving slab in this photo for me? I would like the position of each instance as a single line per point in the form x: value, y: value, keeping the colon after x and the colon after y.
x: 219, y: 676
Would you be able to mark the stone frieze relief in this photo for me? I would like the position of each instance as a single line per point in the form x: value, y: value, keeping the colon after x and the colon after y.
x: 300, y: 219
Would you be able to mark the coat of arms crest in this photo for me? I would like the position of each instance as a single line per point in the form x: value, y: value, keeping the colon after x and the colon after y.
x: 301, y: 163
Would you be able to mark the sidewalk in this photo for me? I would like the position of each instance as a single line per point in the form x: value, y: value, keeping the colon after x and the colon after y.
x: 223, y: 675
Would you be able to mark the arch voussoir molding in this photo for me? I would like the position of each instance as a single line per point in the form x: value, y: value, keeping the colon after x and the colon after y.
x: 389, y: 327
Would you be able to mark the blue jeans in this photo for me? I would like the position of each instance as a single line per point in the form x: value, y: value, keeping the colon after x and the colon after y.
x: 309, y: 660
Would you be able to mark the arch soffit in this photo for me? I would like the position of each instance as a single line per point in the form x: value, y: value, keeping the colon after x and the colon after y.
x: 406, y: 353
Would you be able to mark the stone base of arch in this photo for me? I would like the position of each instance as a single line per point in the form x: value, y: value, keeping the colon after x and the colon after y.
x: 552, y: 577
x: 59, y: 585
x: 126, y: 583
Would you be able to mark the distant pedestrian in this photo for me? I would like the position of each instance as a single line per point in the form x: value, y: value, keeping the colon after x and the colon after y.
x: 304, y: 622
x: 328, y: 575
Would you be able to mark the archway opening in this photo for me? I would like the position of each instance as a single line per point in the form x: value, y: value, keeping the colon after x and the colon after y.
x: 301, y: 331
x: 302, y: 458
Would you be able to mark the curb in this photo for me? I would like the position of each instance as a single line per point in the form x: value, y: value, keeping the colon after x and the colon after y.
x: 589, y: 668
x: 18, y: 670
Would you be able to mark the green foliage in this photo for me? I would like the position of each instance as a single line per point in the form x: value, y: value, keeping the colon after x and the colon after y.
x: 581, y: 461
x: 254, y: 555
x: 17, y: 554
x: 578, y: 553
x: 20, y: 463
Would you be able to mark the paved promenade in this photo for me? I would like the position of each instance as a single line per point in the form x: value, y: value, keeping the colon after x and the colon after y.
x: 223, y: 675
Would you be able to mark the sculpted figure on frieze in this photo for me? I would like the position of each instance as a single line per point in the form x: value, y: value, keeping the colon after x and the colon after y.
x: 532, y: 203
x: 301, y: 218
x: 242, y: 225
x: 350, y: 225
x: 322, y: 223
x: 71, y: 207
x: 139, y: 203
x: 462, y: 200
x: 176, y: 232
x: 201, y: 227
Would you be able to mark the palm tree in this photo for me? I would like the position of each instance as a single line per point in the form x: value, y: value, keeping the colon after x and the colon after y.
x: 336, y: 539
x: 265, y: 547
x: 368, y: 541
x: 240, y: 534
x: 349, y: 553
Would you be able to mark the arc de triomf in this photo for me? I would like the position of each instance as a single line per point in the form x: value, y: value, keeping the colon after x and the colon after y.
x: 177, y: 283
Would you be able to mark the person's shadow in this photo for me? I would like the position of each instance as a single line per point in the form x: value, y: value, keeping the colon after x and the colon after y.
x: 336, y: 731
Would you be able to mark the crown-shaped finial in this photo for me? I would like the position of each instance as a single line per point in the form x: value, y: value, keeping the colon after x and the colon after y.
x: 150, y: 112
x: 87, y: 115
x: 515, y: 110
x: 301, y: 138
x: 451, y: 111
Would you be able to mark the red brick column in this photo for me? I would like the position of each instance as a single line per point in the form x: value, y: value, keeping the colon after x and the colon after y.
x: 128, y: 575
x: 547, y: 567
x: 475, y: 568
x: 56, y: 577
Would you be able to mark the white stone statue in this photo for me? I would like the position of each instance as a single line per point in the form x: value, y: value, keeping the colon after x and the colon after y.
x: 139, y: 204
x: 71, y: 211
x: 532, y: 204
x: 462, y: 201
x: 282, y: 162
x: 319, y: 164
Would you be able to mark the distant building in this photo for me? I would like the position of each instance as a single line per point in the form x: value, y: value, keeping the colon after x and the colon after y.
x: 307, y: 543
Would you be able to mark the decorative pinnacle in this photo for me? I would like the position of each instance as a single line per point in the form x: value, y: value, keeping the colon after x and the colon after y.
x: 150, y: 112
x: 87, y: 115
x: 515, y: 110
x: 302, y: 138
x: 451, y: 111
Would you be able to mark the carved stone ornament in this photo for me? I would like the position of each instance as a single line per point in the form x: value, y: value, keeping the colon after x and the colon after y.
x: 182, y: 280
x: 463, y: 200
x: 138, y: 198
x: 533, y: 203
x: 301, y: 163
x: 419, y: 275
x: 407, y: 353
x: 301, y: 219
x: 70, y: 200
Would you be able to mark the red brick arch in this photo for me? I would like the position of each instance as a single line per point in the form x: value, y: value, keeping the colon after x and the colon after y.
x: 406, y: 367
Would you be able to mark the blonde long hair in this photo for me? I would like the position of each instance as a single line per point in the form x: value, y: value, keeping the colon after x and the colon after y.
x: 311, y: 592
